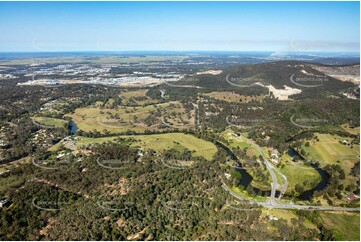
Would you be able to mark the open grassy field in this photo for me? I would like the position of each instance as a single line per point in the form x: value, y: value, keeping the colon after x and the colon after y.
x: 160, y: 142
x: 345, y: 226
x: 138, y: 97
x: 233, y: 97
x: 347, y: 128
x: 109, y: 103
x: 287, y: 215
x: 298, y: 173
x: 329, y: 150
x: 137, y: 119
x: 55, y: 122
x: 237, y: 141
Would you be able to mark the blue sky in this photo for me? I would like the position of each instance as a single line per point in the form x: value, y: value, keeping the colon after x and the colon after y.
x: 180, y: 26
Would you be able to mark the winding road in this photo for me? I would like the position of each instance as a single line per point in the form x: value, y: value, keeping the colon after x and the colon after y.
x: 288, y: 206
x: 271, y: 169
x: 272, y: 203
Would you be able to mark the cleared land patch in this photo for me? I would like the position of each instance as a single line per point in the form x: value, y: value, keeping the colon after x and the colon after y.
x: 160, y: 142
x: 283, y: 94
x: 342, y: 73
x: 328, y: 150
x: 136, y: 119
x: 54, y: 122
x: 138, y: 97
x: 210, y: 72
x: 347, y: 128
x: 277, y: 214
x: 235, y: 140
x: 297, y: 172
x: 345, y: 226
x: 300, y: 174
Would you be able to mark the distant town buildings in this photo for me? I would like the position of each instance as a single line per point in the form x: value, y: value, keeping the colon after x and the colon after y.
x: 95, y: 74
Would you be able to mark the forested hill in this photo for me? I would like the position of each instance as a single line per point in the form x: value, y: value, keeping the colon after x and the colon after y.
x: 293, y: 74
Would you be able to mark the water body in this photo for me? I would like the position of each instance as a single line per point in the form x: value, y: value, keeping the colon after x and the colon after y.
x: 72, y: 128
x: 246, y: 179
x: 325, y: 177
x: 293, y: 153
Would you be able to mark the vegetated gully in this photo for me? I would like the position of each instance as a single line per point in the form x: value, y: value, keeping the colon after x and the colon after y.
x: 246, y: 179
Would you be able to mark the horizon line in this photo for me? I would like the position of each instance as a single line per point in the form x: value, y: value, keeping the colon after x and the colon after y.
x: 277, y: 51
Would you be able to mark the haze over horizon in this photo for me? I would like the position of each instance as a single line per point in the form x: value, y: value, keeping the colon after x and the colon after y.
x: 281, y: 27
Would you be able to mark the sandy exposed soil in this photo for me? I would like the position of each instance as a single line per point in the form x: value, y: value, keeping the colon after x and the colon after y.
x: 210, y: 72
x: 137, y: 235
x: 121, y: 223
x: 282, y: 94
x: 342, y: 73
x: 120, y: 188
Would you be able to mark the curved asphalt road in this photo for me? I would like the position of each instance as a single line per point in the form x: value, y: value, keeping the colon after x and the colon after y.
x: 270, y: 168
x: 272, y: 203
x: 289, y: 206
